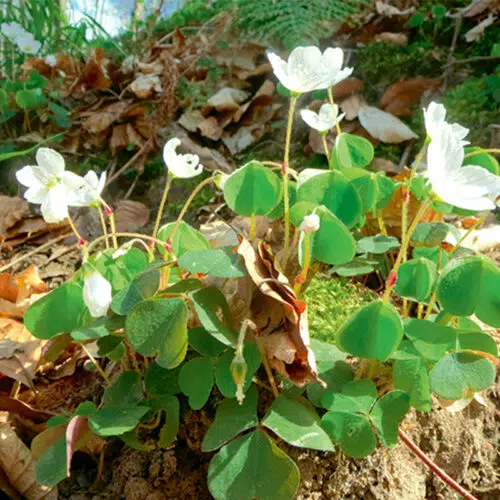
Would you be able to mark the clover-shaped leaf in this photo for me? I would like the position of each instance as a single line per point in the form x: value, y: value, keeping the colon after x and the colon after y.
x: 412, y: 376
x: 353, y: 151
x: 186, y: 239
x: 386, y: 413
x: 433, y: 233
x: 220, y: 262
x: 373, y: 332
x: 377, y: 244
x: 416, y: 279
x: 296, y: 422
x: 240, y: 471
x: 231, y: 419
x: 196, y: 379
x: 471, y: 285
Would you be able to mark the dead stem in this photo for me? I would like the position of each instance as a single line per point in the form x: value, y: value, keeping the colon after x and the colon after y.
x: 267, y: 367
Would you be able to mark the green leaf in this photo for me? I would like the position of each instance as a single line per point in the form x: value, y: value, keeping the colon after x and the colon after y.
x: 126, y: 391
x: 357, y: 396
x: 142, y: 287
x: 433, y: 254
x: 241, y: 471
x: 439, y: 11
x: 377, y: 244
x: 115, y: 421
x: 231, y: 419
x: 336, y: 193
x: 253, y: 190
x: 351, y: 431
x: 186, y: 239
x: 30, y: 99
x: 374, y: 332
x: 356, y: 267
x: 159, y: 326
x: 184, y: 286
x: 416, y: 20
x: 484, y: 160
x: 353, y: 151
x: 412, y: 376
x: 471, y: 285
x: 171, y: 409
x: 196, y: 380
x: 210, y: 304
x: 477, y: 341
x: 159, y: 381
x: 386, y: 189
x: 431, y: 340
x: 333, y: 242
x: 4, y: 100
x: 416, y: 279
x: 112, y: 347
x: 458, y: 373
x: 296, y: 422
x: 95, y: 331
x: 51, y: 467
x: 132, y: 441
x: 279, y: 210
x: 433, y: 233
x: 386, y: 413
x: 223, y: 377
x: 201, y: 341
x: 220, y: 262
x: 366, y: 184
x: 44, y: 320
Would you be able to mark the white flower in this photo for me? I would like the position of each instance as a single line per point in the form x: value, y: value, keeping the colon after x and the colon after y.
x: 51, y: 60
x: 89, y: 193
x: 307, y: 69
x: 310, y: 223
x: 27, y: 43
x: 183, y: 166
x: 470, y: 187
x: 324, y: 120
x: 12, y: 30
x: 49, y: 184
x: 97, y: 294
x: 435, y: 122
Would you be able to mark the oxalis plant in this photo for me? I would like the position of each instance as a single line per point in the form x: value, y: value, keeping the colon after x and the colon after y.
x: 173, y: 320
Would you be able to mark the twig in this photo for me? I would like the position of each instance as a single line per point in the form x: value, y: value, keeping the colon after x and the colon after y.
x: 127, y: 165
x: 473, y: 59
x: 132, y: 187
x: 435, y: 468
x: 451, y: 60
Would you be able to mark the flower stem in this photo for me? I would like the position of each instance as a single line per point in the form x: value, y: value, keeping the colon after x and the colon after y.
x: 162, y: 204
x: 192, y: 196
x: 327, y: 152
x: 79, y: 238
x: 103, y: 223
x: 301, y: 278
x: 434, y: 292
x: 332, y: 102
x: 476, y: 224
x: 113, y: 228
x: 252, y: 226
x: 481, y: 151
x: 284, y: 170
x: 96, y: 364
x: 121, y: 235
x: 381, y: 223
x: 434, y: 467
x: 404, y: 247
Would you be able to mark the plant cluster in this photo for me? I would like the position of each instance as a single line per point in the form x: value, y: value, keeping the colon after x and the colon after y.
x: 181, y: 319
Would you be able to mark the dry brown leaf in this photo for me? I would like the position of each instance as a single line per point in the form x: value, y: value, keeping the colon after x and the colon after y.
x: 350, y: 106
x: 388, y: 10
x: 219, y: 234
x: 17, y: 407
x: 227, y: 99
x: 22, y: 364
x: 144, y: 86
x: 476, y: 7
x: 385, y: 165
x: 12, y: 210
x: 392, y: 38
x: 384, y: 126
x: 123, y: 136
x: 102, y: 119
x: 131, y: 215
x: 347, y: 87
x: 244, y: 74
x: 280, y: 317
x: 210, y: 128
x: 152, y: 68
x: 19, y: 467
x: 191, y: 120
x: 401, y: 96
x: 244, y: 137
x: 477, y: 32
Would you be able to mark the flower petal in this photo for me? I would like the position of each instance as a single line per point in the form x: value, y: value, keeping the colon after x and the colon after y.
x: 36, y: 194
x: 280, y: 69
x: 54, y: 206
x: 50, y: 160
x: 97, y: 294
x: 30, y: 177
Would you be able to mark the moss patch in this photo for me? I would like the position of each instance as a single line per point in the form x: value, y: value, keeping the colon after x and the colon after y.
x: 331, y: 301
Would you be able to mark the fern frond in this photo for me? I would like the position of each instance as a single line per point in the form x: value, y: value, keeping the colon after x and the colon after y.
x: 294, y: 22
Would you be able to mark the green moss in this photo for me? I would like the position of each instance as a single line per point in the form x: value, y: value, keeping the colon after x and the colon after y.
x: 331, y: 301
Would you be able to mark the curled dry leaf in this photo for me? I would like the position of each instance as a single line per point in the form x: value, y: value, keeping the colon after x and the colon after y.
x: 227, y: 99
x: 145, y: 86
x: 384, y: 126
x: 385, y: 9
x: 347, y: 87
x: 123, y: 136
x: 102, y: 119
x: 219, y: 234
x: 12, y: 210
x: 393, y: 38
x: 131, y: 215
x: 279, y: 315
x: 19, y: 467
x: 477, y: 32
x: 350, y: 106
x: 476, y: 7
x: 400, y: 97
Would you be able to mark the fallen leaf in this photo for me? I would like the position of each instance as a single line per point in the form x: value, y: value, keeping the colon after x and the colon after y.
x: 22, y: 362
x: 227, y: 99
x: 131, y: 215
x: 476, y: 7
x: 347, y: 87
x: 384, y: 126
x: 400, y: 97
x: 17, y: 407
x: 280, y: 317
x: 392, y: 38
x: 19, y: 467
x: 350, y: 106
x: 145, y: 86
x: 209, y: 127
x: 219, y: 234
x: 101, y: 120
x: 76, y: 431
x: 12, y: 210
x: 242, y: 138
x: 123, y: 136
x: 477, y: 32
x: 388, y: 10
x: 385, y: 165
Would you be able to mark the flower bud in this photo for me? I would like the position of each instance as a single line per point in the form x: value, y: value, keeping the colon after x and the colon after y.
x: 310, y: 223
x: 239, y: 370
x: 97, y: 294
